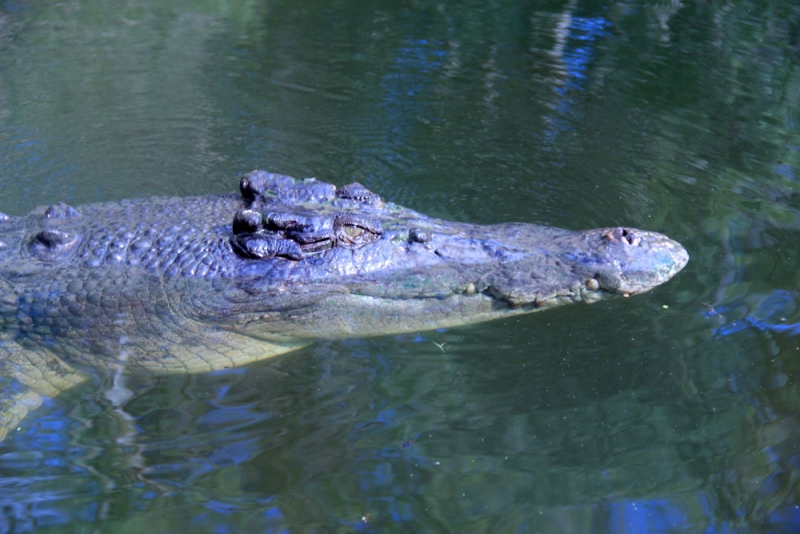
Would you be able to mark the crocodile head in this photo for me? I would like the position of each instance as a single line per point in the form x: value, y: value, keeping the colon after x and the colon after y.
x: 317, y: 261
x: 205, y: 283
x: 289, y: 261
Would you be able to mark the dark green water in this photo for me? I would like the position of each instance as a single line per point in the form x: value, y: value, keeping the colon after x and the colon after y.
x: 674, y: 411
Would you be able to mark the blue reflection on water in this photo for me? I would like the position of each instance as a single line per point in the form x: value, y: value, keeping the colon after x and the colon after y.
x: 583, y: 34
x: 786, y: 520
x: 33, y: 493
x: 768, y: 315
x: 576, y: 56
x: 661, y: 516
x: 648, y: 516
x: 408, y: 88
x: 787, y: 171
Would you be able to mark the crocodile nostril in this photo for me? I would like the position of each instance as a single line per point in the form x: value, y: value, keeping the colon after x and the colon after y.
x: 623, y: 233
x: 619, y: 234
x: 631, y: 237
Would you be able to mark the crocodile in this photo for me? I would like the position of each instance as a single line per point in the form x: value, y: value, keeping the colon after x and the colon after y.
x: 189, y: 285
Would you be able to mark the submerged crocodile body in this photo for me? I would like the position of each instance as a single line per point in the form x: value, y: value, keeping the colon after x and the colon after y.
x: 205, y: 283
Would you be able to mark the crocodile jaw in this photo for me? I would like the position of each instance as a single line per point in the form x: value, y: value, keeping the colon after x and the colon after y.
x: 566, y: 268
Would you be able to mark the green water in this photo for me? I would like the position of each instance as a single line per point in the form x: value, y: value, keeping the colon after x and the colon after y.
x: 674, y: 411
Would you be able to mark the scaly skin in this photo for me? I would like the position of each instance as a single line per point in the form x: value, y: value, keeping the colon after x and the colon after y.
x: 205, y: 283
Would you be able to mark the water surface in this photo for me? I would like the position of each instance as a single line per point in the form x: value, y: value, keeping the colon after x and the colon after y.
x: 674, y: 411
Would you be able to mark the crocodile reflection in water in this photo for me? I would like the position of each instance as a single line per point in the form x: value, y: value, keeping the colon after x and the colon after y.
x: 205, y: 283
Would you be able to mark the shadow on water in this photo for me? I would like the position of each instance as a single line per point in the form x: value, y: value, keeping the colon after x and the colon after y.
x: 673, y: 411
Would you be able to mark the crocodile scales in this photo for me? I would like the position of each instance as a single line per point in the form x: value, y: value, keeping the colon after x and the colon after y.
x: 205, y: 283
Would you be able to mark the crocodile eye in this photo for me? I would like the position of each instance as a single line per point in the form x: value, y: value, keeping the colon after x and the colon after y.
x: 353, y: 231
